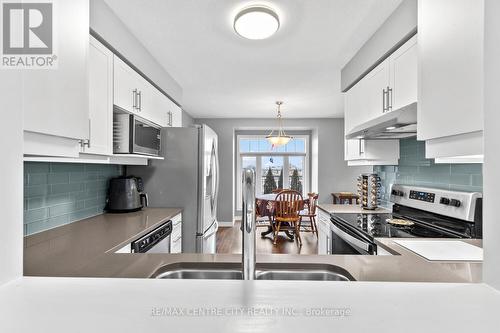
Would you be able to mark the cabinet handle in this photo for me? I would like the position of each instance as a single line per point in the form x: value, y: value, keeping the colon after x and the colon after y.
x: 134, y: 99
x: 383, y: 101
x: 389, y: 99
x: 140, y: 100
x: 361, y: 147
x: 170, y: 118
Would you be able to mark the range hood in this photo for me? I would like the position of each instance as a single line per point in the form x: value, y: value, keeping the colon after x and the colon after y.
x: 398, y: 124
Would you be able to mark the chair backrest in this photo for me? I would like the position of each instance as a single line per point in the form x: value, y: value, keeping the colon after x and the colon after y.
x: 288, y: 204
x: 277, y: 190
x: 313, y: 201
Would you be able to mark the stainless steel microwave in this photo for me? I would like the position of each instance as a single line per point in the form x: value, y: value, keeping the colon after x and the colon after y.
x: 134, y: 135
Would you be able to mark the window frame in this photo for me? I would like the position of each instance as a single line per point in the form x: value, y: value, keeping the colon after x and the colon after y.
x: 258, y: 164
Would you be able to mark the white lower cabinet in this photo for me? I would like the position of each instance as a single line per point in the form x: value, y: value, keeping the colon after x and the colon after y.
x: 176, y: 236
x: 324, y: 233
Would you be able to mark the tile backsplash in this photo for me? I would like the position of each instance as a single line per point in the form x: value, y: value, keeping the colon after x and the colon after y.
x: 415, y: 169
x: 60, y: 193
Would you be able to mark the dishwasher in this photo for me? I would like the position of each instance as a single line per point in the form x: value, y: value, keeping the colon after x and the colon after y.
x: 155, y: 241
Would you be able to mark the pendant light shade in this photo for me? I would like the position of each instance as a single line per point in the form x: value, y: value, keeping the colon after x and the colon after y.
x: 280, y: 138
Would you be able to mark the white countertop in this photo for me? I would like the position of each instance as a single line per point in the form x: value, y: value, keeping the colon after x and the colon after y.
x: 126, y: 305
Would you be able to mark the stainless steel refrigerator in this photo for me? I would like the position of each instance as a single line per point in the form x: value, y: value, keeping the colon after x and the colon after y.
x: 188, y: 177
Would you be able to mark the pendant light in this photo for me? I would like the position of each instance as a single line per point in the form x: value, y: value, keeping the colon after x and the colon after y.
x: 280, y: 138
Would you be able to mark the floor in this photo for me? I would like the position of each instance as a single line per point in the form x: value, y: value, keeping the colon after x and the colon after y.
x: 229, y: 241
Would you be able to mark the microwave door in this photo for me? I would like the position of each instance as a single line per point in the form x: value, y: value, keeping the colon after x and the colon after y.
x: 146, y: 138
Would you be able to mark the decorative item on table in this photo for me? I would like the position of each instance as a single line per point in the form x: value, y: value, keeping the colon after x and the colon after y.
x: 369, y: 190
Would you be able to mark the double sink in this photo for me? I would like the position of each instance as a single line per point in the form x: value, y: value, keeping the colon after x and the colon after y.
x: 263, y: 271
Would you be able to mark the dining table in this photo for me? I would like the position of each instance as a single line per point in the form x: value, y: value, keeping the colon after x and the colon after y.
x: 265, y: 206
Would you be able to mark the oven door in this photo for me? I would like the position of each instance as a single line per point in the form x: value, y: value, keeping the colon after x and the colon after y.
x: 346, y: 239
x: 156, y: 241
x: 146, y: 138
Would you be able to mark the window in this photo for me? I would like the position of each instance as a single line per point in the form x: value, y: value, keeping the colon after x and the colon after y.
x: 281, y: 167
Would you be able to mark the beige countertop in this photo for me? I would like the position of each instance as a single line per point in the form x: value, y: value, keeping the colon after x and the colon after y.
x: 356, y: 209
x: 83, y: 249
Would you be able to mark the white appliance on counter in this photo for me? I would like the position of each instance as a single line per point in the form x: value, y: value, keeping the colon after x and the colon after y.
x: 188, y: 178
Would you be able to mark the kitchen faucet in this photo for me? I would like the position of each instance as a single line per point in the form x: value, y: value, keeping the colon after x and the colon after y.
x: 248, y: 224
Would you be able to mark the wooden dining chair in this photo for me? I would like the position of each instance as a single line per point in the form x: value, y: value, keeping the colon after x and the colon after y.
x: 288, y: 204
x: 308, y: 215
x: 277, y: 190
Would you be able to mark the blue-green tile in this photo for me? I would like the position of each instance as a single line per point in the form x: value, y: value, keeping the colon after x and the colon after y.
x: 37, y: 179
x: 58, y: 178
x: 84, y: 213
x: 96, y: 185
x: 57, y: 221
x: 476, y: 169
x: 67, y: 188
x: 61, y: 209
x: 39, y: 190
x: 477, y: 180
x: 461, y: 179
x: 66, y: 167
x: 35, y: 215
x: 94, y: 202
x: 34, y: 227
x: 77, y: 177
x: 36, y: 167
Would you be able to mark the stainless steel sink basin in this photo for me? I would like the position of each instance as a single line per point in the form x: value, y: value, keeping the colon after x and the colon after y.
x: 230, y: 271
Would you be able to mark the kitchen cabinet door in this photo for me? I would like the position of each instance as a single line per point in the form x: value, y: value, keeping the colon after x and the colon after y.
x: 404, y: 75
x: 100, y: 99
x: 126, y: 86
x: 176, y: 117
x: 324, y: 233
x: 371, y: 152
x: 372, y: 94
x: 450, y: 82
x: 56, y: 100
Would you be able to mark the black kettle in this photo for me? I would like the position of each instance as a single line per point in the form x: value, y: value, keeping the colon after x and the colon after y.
x: 126, y: 194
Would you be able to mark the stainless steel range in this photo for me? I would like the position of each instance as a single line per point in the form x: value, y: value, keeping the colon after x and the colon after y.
x: 416, y: 212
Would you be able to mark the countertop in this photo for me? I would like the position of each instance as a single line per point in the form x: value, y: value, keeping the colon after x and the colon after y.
x: 60, y: 305
x: 64, y: 250
x: 86, y: 249
x: 356, y: 209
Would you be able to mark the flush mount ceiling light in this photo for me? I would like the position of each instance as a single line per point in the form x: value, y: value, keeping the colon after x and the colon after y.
x: 280, y: 138
x: 256, y: 22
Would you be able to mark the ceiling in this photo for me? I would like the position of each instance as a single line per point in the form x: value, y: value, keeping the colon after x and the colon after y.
x: 224, y: 75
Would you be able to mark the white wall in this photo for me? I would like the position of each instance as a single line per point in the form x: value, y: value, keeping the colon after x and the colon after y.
x: 333, y: 174
x: 491, y: 179
x: 11, y: 169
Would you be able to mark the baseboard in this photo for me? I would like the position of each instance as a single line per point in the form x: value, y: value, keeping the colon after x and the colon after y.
x: 226, y: 224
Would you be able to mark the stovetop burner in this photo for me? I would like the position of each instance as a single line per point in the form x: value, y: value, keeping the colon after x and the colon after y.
x: 377, y: 225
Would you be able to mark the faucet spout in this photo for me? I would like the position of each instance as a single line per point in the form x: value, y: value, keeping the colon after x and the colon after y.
x: 248, y: 224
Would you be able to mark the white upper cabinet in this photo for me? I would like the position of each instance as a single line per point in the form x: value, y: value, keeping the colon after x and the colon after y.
x: 450, y: 82
x: 134, y: 94
x: 388, y: 87
x: 404, y: 75
x: 56, y: 100
x: 100, y: 99
x: 126, y: 86
x: 175, y: 115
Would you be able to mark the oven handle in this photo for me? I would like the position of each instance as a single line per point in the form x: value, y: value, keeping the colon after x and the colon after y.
x: 346, y: 226
x: 350, y: 239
